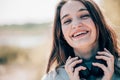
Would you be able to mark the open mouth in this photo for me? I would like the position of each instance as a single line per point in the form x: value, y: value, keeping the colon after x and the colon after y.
x: 79, y: 34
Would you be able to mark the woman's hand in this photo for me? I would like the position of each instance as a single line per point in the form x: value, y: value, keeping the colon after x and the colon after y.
x: 69, y: 67
x: 109, y: 58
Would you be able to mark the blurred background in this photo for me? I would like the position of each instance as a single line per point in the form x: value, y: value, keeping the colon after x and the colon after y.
x: 26, y: 35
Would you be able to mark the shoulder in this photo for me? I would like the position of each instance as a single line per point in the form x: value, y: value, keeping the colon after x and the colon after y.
x: 49, y: 76
x: 58, y: 74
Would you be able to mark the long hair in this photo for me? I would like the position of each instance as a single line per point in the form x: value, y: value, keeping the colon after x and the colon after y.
x: 61, y: 50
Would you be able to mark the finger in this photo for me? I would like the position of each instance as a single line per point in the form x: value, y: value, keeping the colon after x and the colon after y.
x: 103, y: 67
x: 67, y: 61
x: 76, y: 71
x: 105, y: 54
x: 106, y: 50
x: 107, y: 59
x: 103, y: 58
x: 106, y: 70
x: 71, y: 66
x: 75, y: 62
x: 68, y: 58
x: 109, y: 53
x: 71, y: 60
x: 70, y: 71
x: 110, y: 62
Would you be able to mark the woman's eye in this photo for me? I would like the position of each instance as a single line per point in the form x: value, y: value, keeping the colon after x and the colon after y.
x: 67, y: 21
x: 86, y: 16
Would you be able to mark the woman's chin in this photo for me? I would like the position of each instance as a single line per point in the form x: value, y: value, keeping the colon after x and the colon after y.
x: 82, y: 45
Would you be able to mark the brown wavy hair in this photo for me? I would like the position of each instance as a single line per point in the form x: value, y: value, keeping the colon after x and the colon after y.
x: 61, y: 50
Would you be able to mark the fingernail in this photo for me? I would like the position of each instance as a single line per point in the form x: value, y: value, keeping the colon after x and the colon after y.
x: 84, y: 68
x: 76, y: 57
x: 80, y: 60
x: 96, y: 56
x: 69, y: 57
x: 98, y: 51
x: 93, y: 63
x: 105, y: 49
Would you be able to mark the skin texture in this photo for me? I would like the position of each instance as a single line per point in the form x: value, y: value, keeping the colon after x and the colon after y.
x: 76, y: 20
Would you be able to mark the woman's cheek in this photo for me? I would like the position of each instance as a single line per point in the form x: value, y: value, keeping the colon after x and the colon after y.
x: 65, y: 30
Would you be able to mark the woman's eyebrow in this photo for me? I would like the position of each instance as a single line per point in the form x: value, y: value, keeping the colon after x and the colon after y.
x: 64, y: 16
x: 82, y: 9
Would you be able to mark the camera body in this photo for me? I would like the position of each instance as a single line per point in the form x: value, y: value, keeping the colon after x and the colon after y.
x: 90, y: 69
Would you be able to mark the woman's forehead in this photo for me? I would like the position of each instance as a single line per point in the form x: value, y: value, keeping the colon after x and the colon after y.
x: 71, y: 6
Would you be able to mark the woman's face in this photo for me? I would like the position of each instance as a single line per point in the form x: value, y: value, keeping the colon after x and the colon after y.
x: 77, y: 26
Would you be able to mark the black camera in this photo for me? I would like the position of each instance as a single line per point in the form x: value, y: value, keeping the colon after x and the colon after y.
x: 90, y: 69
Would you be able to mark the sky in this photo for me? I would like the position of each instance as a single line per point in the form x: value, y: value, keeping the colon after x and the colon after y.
x: 27, y: 11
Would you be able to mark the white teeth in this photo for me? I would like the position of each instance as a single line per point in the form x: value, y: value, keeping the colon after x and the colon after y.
x: 79, y: 33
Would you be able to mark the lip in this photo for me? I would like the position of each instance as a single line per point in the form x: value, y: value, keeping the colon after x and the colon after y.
x: 78, y: 34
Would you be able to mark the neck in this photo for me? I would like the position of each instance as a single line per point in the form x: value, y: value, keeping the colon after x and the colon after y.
x: 86, y: 52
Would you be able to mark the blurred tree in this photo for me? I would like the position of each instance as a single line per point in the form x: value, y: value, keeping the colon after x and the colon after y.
x: 9, y: 55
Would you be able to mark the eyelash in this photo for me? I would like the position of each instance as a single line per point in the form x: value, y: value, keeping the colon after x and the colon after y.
x: 67, y: 21
x: 83, y: 17
x: 86, y: 16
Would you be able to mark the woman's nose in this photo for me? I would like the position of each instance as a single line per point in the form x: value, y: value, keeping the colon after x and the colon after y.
x: 76, y: 23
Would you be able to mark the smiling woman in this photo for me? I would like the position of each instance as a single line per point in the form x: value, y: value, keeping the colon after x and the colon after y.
x: 71, y: 20
x: 84, y: 45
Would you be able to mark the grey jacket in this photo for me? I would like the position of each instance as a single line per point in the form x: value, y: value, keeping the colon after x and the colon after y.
x: 60, y: 74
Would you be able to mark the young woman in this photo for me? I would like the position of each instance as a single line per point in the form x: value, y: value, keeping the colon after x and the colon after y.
x: 84, y: 45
